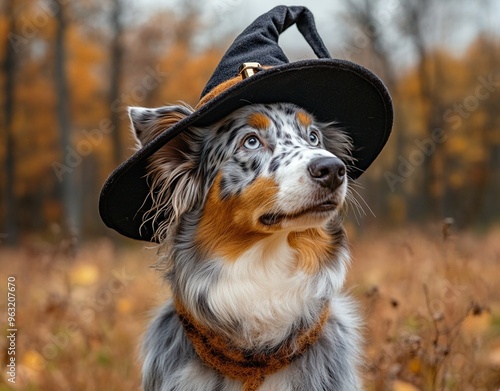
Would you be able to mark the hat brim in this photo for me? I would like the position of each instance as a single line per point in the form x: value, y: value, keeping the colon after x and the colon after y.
x: 330, y: 89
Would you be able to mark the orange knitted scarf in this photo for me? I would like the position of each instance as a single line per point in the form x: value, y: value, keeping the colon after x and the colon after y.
x: 250, y: 368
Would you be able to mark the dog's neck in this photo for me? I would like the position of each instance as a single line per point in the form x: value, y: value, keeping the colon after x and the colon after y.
x: 260, y: 299
x: 249, y: 367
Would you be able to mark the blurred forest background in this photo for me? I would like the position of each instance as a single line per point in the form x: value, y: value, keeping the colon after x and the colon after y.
x: 426, y: 268
x: 70, y: 69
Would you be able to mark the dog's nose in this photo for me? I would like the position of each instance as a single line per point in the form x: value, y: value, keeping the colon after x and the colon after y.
x: 329, y: 172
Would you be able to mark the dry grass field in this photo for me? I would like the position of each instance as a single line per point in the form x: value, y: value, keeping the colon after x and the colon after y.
x: 432, y: 310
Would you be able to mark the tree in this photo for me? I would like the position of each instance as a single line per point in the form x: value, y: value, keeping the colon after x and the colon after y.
x: 369, y: 23
x: 116, y: 74
x: 9, y: 67
x: 68, y: 191
x: 367, y: 42
x: 415, y: 16
x: 421, y: 26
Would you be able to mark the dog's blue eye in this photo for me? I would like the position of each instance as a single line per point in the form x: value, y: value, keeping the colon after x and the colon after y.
x: 252, y: 142
x: 313, y: 138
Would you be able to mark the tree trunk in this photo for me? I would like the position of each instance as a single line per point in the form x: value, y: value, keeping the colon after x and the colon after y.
x: 364, y: 15
x: 68, y: 191
x: 11, y: 223
x: 116, y: 75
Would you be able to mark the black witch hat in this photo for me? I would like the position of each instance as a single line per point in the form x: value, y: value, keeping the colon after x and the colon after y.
x: 255, y: 70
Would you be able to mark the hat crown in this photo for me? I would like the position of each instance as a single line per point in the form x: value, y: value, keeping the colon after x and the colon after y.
x: 259, y: 42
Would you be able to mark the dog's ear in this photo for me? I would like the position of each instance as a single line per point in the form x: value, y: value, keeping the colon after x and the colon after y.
x: 149, y: 123
x: 172, y: 170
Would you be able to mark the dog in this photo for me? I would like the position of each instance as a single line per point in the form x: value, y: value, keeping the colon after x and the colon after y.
x: 246, y: 197
x: 250, y: 224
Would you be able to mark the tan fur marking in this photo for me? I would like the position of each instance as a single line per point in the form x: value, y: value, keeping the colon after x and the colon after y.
x: 221, y: 88
x: 258, y: 121
x: 230, y: 227
x: 218, y: 90
x: 312, y: 246
x: 304, y: 119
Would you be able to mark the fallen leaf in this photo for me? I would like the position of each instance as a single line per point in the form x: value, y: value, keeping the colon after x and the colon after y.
x: 124, y: 306
x: 494, y: 357
x: 33, y: 360
x: 415, y: 365
x: 477, y: 324
x: 399, y: 385
x: 84, y: 275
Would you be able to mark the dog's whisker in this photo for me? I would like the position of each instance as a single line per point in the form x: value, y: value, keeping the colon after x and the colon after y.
x: 356, y: 207
x: 358, y: 211
x: 364, y: 201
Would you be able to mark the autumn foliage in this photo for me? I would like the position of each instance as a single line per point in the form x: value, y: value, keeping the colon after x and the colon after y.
x: 440, y: 162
